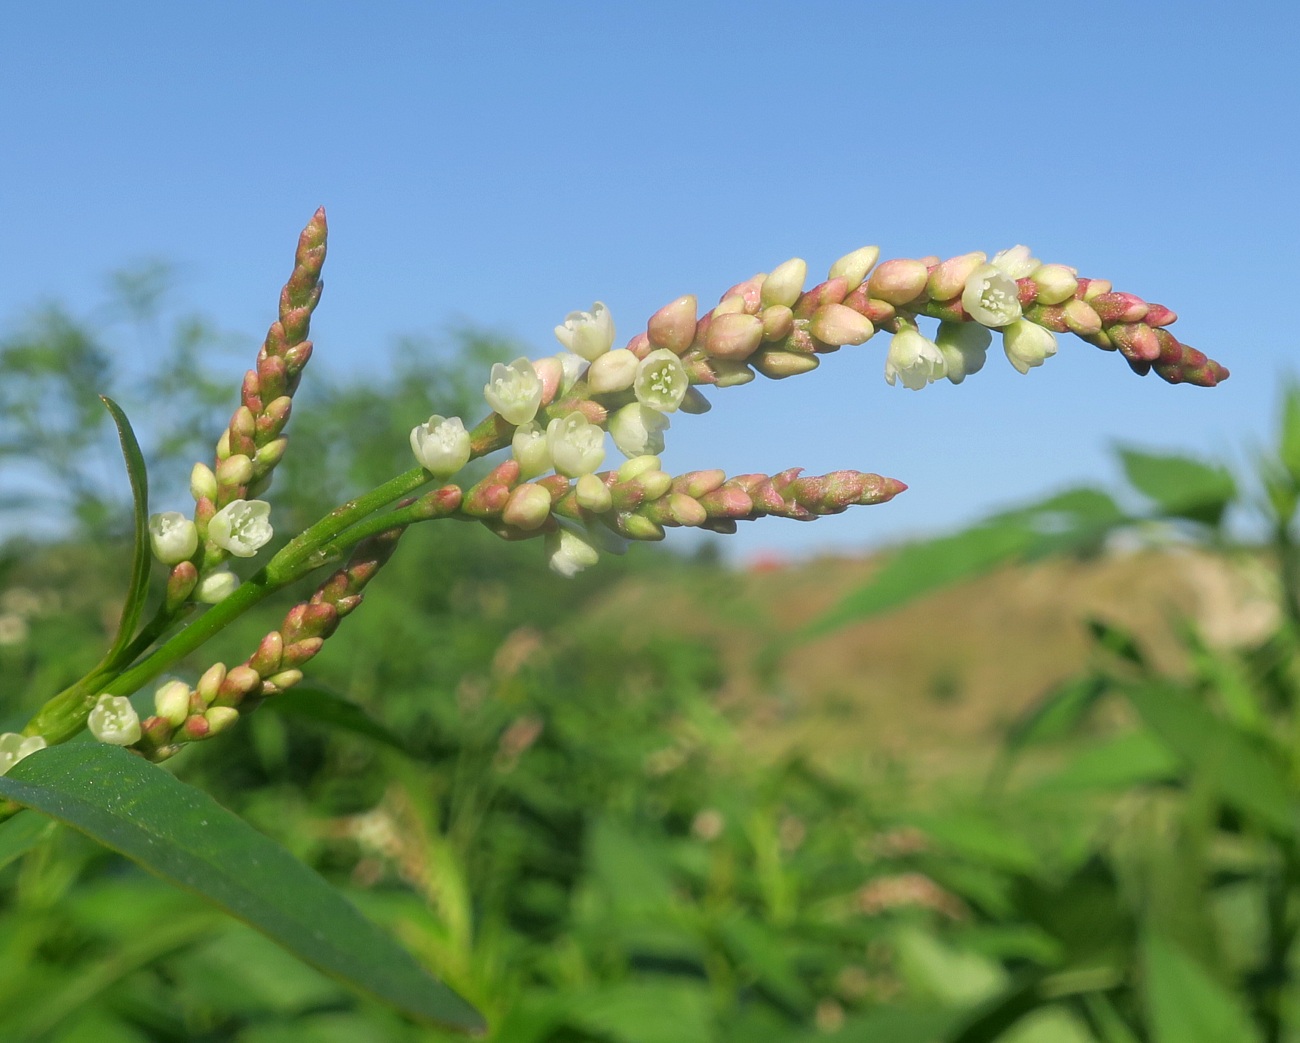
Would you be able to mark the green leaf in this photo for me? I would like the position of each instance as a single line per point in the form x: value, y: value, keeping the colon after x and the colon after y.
x: 650, y: 1011
x: 1057, y: 713
x: 313, y: 703
x: 1288, y: 447
x: 20, y: 834
x: 188, y: 839
x: 140, y: 556
x: 1180, y: 486
x: 1072, y: 520
x: 1241, y: 771
x: 1185, y: 1004
x: 1126, y: 760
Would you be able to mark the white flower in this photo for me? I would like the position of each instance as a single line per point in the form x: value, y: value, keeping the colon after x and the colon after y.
x: 964, y: 346
x: 661, y: 381
x: 242, y: 527
x: 577, y: 446
x: 114, y: 721
x: 14, y: 747
x: 638, y: 430
x: 528, y: 447
x: 514, y: 391
x: 1016, y: 261
x: 173, y: 536
x: 587, y: 333
x: 1027, y: 344
x: 441, y: 445
x: 216, y: 586
x: 991, y: 297
x: 568, y: 553
x: 914, y: 359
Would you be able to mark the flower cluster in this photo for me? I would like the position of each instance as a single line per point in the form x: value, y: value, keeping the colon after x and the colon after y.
x: 553, y: 413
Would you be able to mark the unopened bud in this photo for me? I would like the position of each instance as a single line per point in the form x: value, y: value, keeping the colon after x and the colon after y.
x: 899, y: 281
x: 654, y: 484
x: 1095, y: 287
x: 638, y: 527
x: 1081, y: 318
x: 528, y: 507
x: 838, y: 325
x: 172, y: 702
x: 285, y: 679
x: 699, y: 483
x: 269, y: 455
x: 203, y: 483
x: 853, y: 267
x: 593, y: 494
x: 731, y: 374
x: 686, y: 510
x: 780, y: 364
x: 220, y: 718
x: 673, y: 325
x: 785, y: 282
x: 949, y: 279
x: 733, y: 337
x: 210, y: 683
x: 1056, y: 283
x: 778, y: 321
x: 613, y: 371
x: 638, y: 466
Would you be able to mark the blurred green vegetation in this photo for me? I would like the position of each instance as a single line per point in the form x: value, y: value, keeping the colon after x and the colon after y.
x: 555, y: 811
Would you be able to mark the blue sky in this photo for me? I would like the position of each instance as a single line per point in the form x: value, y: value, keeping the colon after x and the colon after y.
x: 506, y: 163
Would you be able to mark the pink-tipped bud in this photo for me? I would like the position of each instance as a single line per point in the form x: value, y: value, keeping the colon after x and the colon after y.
x: 653, y: 484
x: 899, y: 281
x: 195, y: 727
x: 640, y: 346
x: 1056, y: 283
x: 778, y: 321
x: 728, y: 501
x: 949, y: 278
x: 673, y: 325
x: 1137, y: 342
x: 1094, y: 288
x: 1159, y: 315
x: 550, y: 371
x: 1119, y: 307
x: 240, y: 681
x: 697, y: 483
x: 853, y: 267
x: 777, y: 365
x: 301, y: 651
x: 1080, y: 317
x: 528, y: 507
x: 733, y: 337
x: 832, y: 291
x: 784, y: 284
x: 181, y: 583
x: 835, y: 324
x: 270, y: 652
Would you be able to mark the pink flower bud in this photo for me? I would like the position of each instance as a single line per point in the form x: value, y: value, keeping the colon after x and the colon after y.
x: 838, y: 325
x: 1056, y: 283
x: 949, y: 278
x: 899, y: 281
x: 528, y: 507
x: 673, y: 325
x: 685, y: 510
x: 733, y: 337
x: 832, y: 291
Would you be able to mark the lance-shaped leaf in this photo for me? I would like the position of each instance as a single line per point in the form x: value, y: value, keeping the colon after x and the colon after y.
x: 189, y: 839
x: 313, y: 703
x: 140, y: 559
